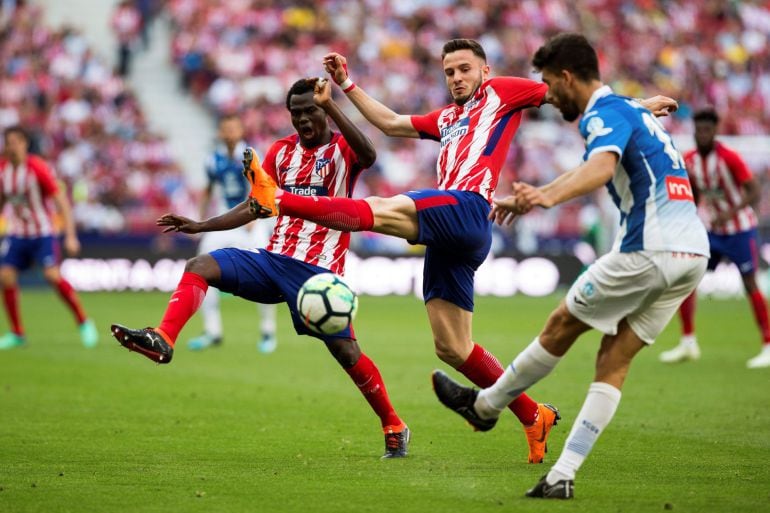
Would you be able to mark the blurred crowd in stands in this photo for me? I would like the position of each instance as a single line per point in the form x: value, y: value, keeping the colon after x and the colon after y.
x: 241, y: 56
x: 85, y: 121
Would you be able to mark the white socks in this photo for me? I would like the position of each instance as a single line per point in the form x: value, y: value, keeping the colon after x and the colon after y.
x: 529, y: 367
x: 267, y: 323
x: 212, y: 318
x: 597, y: 411
x: 688, y: 341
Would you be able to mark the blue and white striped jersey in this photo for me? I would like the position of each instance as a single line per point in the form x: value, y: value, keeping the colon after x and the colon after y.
x: 650, y: 186
x: 227, y: 173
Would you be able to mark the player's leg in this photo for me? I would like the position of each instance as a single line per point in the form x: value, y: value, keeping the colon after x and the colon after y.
x: 210, y: 312
x: 343, y: 346
x: 671, y: 280
x: 612, y: 364
x: 743, y: 252
x: 390, y: 216
x: 15, y: 256
x: 688, y: 348
x: 46, y: 253
x: 158, y: 343
x: 367, y: 378
x: 10, y: 283
x: 89, y: 336
x: 267, y: 326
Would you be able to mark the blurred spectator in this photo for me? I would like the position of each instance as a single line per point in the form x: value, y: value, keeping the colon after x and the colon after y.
x: 127, y: 24
x: 88, y: 124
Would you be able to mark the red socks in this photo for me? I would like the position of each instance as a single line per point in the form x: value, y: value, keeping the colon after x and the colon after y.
x: 344, y: 214
x: 687, y: 314
x: 483, y: 369
x: 367, y: 378
x: 11, y: 302
x: 183, y: 304
x: 759, y: 306
x: 70, y: 297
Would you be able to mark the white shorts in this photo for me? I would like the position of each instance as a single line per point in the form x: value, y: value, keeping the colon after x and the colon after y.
x: 643, y: 287
x: 254, y: 235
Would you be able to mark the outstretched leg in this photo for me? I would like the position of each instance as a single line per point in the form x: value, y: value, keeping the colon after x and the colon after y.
x: 157, y: 344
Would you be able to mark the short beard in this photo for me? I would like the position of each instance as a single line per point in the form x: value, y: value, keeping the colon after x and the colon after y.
x: 570, y: 113
x: 462, y: 101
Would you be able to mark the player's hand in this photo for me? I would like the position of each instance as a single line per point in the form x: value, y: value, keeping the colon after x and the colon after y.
x: 336, y: 65
x: 322, y: 92
x: 175, y: 223
x: 71, y: 245
x: 721, y: 218
x: 660, y: 105
x: 502, y: 211
x: 528, y: 196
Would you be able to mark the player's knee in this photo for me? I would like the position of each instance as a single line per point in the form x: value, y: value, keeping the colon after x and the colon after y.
x: 7, y: 277
x: 449, y: 354
x: 345, y: 350
x: 204, y: 266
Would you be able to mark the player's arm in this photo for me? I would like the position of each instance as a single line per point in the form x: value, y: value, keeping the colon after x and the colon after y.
x: 71, y: 242
x: 389, y: 122
x: 750, y: 189
x: 237, y: 216
x: 659, y: 105
x: 359, y: 143
x: 589, y: 176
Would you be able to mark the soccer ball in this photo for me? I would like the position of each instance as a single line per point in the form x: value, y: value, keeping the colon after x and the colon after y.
x: 326, y: 304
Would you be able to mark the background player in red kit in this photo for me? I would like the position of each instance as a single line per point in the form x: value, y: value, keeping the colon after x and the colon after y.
x: 28, y: 186
x: 725, y: 186
x: 317, y: 162
x: 475, y: 133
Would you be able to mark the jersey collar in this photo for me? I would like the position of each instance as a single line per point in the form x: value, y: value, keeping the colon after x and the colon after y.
x: 603, y: 91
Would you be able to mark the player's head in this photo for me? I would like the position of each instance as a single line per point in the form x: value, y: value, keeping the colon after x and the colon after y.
x: 567, y: 61
x: 308, y: 119
x: 465, y: 68
x: 230, y: 129
x: 706, y: 122
x: 16, y: 143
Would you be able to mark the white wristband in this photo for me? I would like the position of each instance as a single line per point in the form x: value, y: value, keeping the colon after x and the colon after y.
x: 347, y: 85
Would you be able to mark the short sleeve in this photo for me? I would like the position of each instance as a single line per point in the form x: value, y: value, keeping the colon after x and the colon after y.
x: 45, y: 176
x: 605, y: 131
x: 519, y: 93
x: 350, y: 156
x: 427, y: 125
x: 268, y: 164
x: 737, y: 166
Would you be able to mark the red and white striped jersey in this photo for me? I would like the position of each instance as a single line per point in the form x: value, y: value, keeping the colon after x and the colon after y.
x: 475, y: 137
x: 718, y: 180
x: 327, y: 170
x: 26, y: 191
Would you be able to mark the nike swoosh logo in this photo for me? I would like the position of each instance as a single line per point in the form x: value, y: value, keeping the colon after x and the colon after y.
x: 578, y: 301
x: 542, y: 435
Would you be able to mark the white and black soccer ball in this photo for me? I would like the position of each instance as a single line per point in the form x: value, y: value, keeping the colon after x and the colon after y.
x: 326, y: 304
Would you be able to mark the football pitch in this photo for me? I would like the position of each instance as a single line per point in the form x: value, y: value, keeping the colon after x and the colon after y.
x: 234, y: 430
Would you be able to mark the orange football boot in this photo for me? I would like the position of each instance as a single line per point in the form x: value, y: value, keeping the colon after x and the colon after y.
x: 263, y: 187
x: 537, y: 433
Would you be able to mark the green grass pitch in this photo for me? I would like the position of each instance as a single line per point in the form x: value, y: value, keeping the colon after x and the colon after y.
x: 233, y: 430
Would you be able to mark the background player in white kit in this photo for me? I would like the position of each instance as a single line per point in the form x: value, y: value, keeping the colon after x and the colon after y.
x: 227, y: 188
x: 629, y: 294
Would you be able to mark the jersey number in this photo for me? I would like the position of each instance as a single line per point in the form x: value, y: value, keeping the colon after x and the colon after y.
x: 656, y: 129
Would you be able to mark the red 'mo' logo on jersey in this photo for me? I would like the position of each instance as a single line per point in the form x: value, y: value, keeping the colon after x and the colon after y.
x: 679, y: 189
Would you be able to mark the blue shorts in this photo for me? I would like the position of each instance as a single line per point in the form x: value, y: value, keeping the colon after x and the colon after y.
x: 265, y: 277
x: 21, y: 252
x: 454, y: 227
x: 740, y: 249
